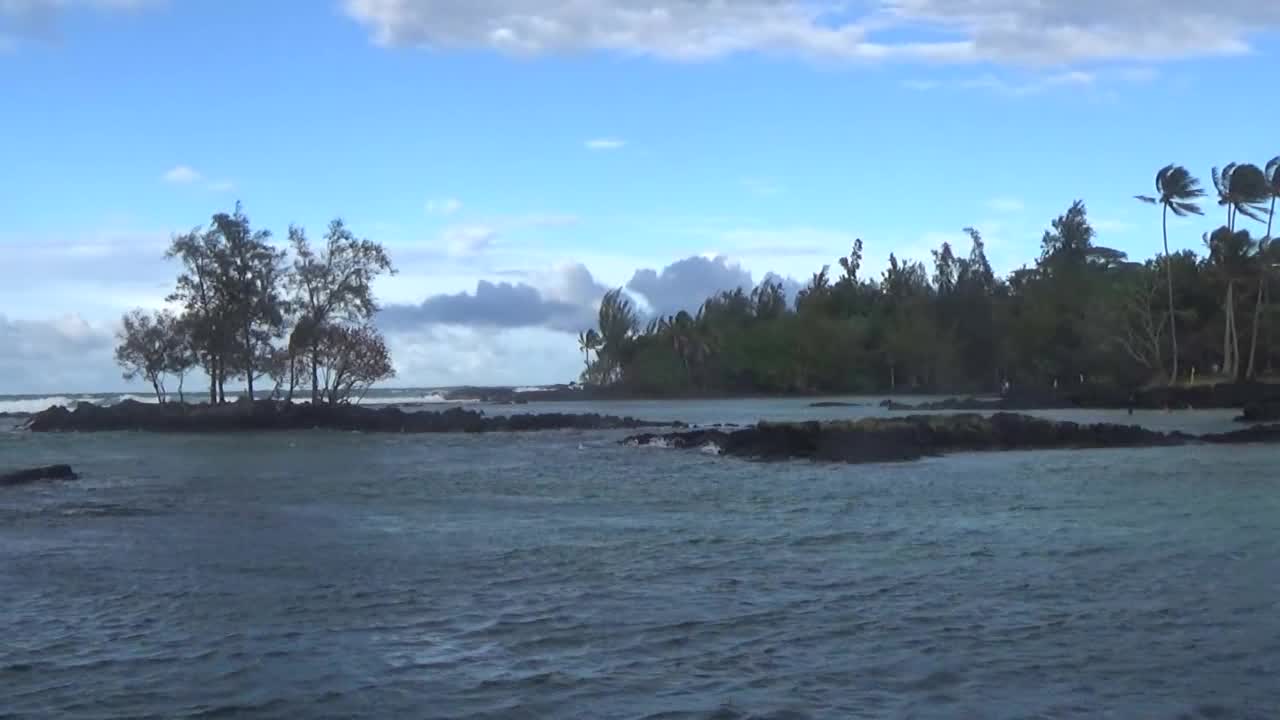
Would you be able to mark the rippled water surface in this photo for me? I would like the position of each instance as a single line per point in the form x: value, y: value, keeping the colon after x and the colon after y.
x: 559, y: 575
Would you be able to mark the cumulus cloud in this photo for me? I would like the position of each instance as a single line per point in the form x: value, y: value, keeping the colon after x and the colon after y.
x: 1001, y: 31
x: 504, y: 305
x: 685, y: 284
x: 790, y: 286
x: 566, y: 299
x: 57, y: 355
x: 183, y: 175
x: 451, y: 355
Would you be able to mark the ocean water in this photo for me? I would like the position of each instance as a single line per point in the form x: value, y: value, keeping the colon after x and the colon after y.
x: 561, y: 575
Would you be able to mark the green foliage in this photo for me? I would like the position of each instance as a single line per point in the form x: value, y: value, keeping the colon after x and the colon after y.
x: 1083, y: 313
x: 241, y: 296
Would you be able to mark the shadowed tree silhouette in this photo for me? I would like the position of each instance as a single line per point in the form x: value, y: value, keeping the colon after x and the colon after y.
x: 1242, y: 188
x: 1177, y: 191
x: 588, y: 342
x: 1266, y: 261
x: 1230, y: 256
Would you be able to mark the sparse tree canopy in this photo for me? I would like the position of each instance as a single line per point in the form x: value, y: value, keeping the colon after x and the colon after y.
x: 152, y: 345
x: 239, y: 294
x: 353, y: 359
x: 332, y: 287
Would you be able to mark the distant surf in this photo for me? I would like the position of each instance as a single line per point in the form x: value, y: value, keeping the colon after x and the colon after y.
x: 35, y: 403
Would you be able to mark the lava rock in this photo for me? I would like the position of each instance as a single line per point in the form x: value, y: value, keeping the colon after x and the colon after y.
x: 911, y: 437
x: 267, y: 415
x: 40, y: 474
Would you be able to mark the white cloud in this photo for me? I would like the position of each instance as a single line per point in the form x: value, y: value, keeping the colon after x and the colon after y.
x: 1029, y: 86
x: 39, y: 19
x: 183, y: 175
x: 1051, y: 32
x: 58, y: 354
x: 444, y: 206
x: 605, y: 144
x: 466, y: 240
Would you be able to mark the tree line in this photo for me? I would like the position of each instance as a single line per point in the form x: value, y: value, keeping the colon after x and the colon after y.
x: 1082, y: 313
x: 248, y: 310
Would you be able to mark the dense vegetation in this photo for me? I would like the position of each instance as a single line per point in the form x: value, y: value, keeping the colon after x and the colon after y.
x: 249, y: 312
x: 1082, y: 313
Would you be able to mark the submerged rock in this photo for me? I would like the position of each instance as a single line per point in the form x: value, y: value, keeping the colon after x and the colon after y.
x: 1261, y: 411
x: 40, y: 474
x: 273, y: 415
x: 834, y: 404
x: 1196, y: 397
x: 915, y: 436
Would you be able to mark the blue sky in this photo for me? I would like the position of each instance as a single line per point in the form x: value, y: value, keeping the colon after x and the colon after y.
x: 557, y: 148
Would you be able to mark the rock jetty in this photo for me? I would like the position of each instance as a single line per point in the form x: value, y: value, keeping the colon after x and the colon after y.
x: 917, y: 436
x: 266, y: 415
x: 1196, y: 397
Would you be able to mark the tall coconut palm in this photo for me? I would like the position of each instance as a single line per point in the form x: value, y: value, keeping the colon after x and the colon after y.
x: 1266, y: 258
x: 1230, y: 254
x: 1242, y: 188
x: 618, y: 323
x: 588, y: 342
x: 1179, y: 191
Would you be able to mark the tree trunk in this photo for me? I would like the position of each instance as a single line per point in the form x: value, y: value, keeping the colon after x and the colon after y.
x: 1226, y: 332
x: 248, y: 361
x: 1235, y: 332
x: 156, y: 386
x: 1262, y: 291
x: 182, y: 399
x: 213, y: 379
x: 1257, y: 321
x: 1173, y: 317
x: 315, y: 374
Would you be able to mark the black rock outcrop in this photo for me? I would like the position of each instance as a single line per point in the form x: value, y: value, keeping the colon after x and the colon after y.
x: 916, y: 436
x: 40, y: 474
x: 271, y: 415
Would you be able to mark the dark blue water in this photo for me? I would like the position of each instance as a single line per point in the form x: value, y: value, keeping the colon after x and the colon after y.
x: 560, y: 575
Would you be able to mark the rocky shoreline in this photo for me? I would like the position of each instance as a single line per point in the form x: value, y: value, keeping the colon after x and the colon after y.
x: 918, y: 436
x: 1198, y: 397
x: 267, y: 415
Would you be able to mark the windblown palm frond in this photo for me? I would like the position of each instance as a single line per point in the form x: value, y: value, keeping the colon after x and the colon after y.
x: 1244, y: 188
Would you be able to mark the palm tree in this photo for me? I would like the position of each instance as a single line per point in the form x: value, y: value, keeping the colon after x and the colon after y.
x: 1231, y: 254
x: 1178, y: 191
x: 1242, y: 188
x: 588, y: 342
x: 1266, y: 258
x: 618, y: 323
x: 1272, y: 176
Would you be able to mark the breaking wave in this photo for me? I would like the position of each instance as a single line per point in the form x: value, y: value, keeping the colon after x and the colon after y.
x: 425, y: 399
x: 37, y: 403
